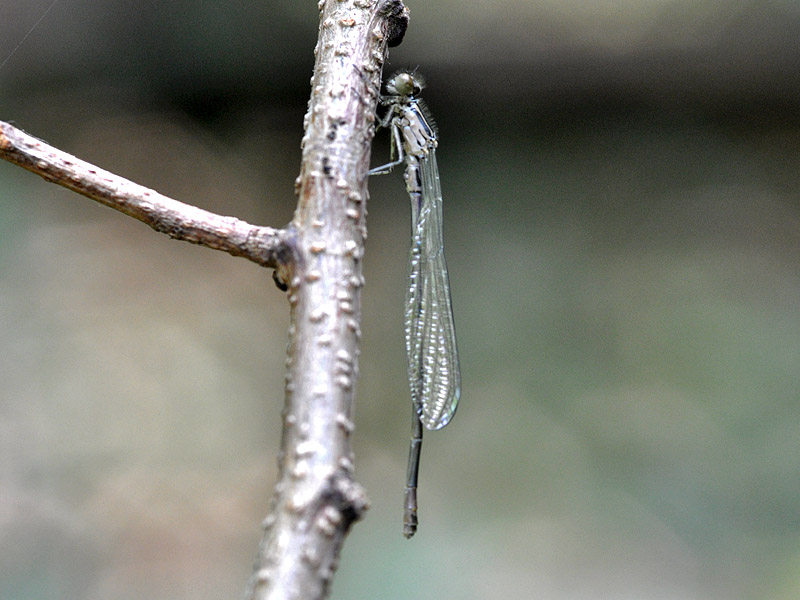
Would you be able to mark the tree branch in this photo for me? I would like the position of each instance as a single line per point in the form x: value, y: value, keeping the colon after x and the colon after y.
x: 316, y: 501
x: 264, y: 245
x: 318, y: 258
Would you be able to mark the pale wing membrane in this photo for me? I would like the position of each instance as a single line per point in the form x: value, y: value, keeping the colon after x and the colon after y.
x: 433, y: 369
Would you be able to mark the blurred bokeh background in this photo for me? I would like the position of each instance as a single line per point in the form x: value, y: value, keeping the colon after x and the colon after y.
x: 622, y: 215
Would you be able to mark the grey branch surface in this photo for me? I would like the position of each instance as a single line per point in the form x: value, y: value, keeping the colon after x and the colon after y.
x: 318, y: 258
x: 316, y: 500
x: 262, y: 245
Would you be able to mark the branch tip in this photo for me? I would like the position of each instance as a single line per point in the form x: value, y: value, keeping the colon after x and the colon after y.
x: 397, y: 16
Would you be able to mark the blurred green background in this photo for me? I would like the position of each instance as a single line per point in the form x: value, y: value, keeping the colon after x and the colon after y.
x: 622, y: 215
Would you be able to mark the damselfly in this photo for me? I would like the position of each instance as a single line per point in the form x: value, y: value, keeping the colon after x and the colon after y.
x: 433, y: 371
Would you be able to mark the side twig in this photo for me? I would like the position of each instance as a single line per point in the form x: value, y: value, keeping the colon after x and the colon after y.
x: 263, y: 245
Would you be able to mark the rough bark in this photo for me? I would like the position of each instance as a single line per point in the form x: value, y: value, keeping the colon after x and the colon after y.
x: 316, y: 500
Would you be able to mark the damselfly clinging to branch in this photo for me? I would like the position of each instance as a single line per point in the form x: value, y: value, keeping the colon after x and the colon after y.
x: 433, y: 371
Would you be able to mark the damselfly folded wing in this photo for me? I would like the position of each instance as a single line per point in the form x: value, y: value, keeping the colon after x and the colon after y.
x: 433, y: 368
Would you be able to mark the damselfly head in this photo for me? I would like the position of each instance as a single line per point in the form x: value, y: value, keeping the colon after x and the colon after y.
x: 405, y: 83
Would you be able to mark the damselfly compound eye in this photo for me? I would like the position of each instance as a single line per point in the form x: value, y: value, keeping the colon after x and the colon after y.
x: 404, y: 84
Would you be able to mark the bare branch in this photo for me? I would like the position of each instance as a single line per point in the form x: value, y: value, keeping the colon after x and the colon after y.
x: 264, y: 245
x: 316, y: 500
x: 318, y: 258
